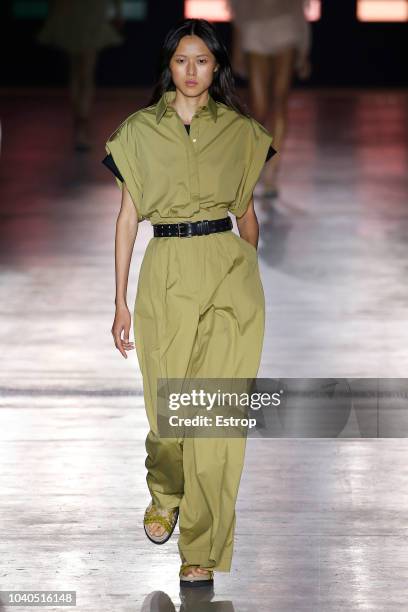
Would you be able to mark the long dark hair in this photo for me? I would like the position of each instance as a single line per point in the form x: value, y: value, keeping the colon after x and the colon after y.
x: 222, y: 88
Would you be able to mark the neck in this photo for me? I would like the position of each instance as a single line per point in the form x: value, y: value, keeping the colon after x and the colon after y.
x: 187, y: 106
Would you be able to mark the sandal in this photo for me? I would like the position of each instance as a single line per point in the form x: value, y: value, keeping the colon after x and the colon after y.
x: 167, y: 517
x: 195, y: 581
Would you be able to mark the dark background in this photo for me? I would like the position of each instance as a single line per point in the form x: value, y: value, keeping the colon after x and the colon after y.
x: 345, y: 52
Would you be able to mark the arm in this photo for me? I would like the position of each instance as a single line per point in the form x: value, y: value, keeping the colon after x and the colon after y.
x: 125, y: 236
x: 248, y: 225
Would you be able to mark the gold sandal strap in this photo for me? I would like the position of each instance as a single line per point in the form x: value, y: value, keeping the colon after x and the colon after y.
x: 159, y: 519
x: 167, y: 518
x: 151, y: 509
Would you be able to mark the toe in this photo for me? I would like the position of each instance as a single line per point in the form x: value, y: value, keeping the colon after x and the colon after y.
x: 153, y: 528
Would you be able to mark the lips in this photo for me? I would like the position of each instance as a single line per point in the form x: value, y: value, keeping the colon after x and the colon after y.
x: 191, y: 82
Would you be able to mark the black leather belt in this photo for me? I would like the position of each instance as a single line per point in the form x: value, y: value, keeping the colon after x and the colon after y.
x: 196, y: 228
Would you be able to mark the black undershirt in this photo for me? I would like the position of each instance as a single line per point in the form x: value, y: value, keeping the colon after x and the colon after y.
x: 109, y: 162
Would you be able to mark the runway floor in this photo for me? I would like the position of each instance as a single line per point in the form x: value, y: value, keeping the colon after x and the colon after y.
x: 321, y: 523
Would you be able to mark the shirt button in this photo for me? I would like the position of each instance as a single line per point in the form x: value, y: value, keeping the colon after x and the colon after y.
x: 194, y: 139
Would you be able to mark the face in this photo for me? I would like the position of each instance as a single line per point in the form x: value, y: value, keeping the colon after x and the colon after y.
x: 192, y: 66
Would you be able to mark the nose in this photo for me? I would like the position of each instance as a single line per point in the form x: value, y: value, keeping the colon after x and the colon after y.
x: 191, y: 69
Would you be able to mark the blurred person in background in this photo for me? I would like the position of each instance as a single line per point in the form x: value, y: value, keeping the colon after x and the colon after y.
x: 271, y: 43
x: 81, y: 29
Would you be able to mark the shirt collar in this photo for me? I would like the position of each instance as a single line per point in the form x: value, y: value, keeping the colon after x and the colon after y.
x: 169, y: 95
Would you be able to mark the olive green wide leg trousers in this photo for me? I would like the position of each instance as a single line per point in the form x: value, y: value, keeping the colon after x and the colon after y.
x: 199, y: 313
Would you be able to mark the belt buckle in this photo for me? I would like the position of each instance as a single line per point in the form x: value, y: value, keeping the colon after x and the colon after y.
x: 178, y: 230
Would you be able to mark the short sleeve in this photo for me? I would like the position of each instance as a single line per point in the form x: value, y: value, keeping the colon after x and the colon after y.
x: 122, y: 147
x: 109, y: 162
x: 256, y: 146
x: 271, y: 153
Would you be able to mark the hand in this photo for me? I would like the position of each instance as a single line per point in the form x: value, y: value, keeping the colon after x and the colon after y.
x: 121, y: 324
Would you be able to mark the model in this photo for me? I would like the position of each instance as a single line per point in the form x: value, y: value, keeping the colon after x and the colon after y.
x: 183, y: 162
x: 80, y: 29
x: 272, y: 40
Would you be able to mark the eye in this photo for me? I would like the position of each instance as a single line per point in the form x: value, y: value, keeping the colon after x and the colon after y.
x: 179, y: 60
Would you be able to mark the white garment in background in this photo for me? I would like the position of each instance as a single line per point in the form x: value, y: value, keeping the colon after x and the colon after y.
x: 270, y: 26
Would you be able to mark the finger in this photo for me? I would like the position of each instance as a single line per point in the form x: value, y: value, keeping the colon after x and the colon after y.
x: 116, y: 336
x: 121, y: 350
x: 125, y: 340
x: 118, y: 341
x: 126, y: 330
x: 126, y: 343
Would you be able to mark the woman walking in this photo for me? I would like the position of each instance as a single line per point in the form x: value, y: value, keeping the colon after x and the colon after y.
x: 80, y: 29
x: 271, y: 43
x: 183, y: 162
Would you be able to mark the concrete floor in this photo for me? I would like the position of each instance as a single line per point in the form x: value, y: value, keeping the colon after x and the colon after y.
x: 321, y: 523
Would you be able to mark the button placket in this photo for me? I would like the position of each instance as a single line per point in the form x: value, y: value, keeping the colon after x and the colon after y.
x: 192, y: 154
x: 195, y: 186
x: 189, y: 151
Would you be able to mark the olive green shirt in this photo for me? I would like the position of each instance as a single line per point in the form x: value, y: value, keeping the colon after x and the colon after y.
x: 174, y: 176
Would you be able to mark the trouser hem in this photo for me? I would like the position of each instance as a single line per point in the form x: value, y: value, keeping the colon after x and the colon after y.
x: 165, y: 501
x: 199, y: 557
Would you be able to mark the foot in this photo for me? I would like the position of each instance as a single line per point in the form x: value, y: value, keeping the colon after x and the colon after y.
x: 164, y: 526
x: 155, y: 529
x: 195, y: 571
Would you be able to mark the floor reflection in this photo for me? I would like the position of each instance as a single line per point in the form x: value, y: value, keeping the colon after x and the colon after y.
x: 197, y: 599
